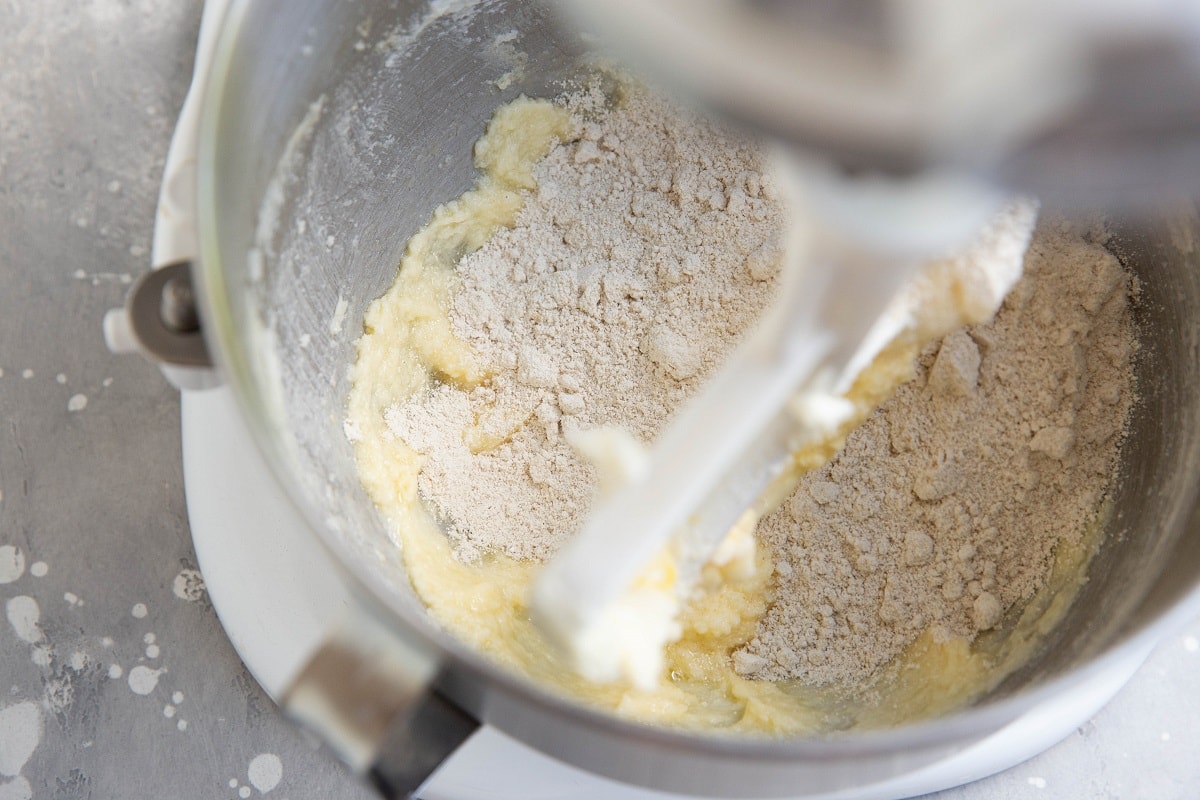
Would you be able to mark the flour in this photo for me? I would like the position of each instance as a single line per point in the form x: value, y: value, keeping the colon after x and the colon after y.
x: 25, y: 616
x: 645, y: 247
x: 646, y: 250
x: 946, y: 507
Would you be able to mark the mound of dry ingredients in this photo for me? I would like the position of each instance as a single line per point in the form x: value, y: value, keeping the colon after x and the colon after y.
x: 645, y: 250
x: 945, y: 508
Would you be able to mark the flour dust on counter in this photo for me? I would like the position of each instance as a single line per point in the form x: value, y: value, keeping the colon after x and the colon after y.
x: 24, y: 615
x: 263, y: 774
x: 71, y: 671
x: 98, y: 278
x: 68, y: 665
x: 143, y: 679
x: 12, y: 563
x: 189, y: 585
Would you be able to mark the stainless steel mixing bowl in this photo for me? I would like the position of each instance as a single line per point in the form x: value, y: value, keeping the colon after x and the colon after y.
x: 332, y: 129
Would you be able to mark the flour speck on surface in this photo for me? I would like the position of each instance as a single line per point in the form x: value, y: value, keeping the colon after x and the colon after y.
x: 41, y: 654
x: 188, y: 585
x: 25, y: 615
x: 265, y: 772
x: 139, y: 611
x: 39, y: 569
x: 78, y: 402
x: 151, y: 650
x: 115, y: 672
x: 12, y: 563
x: 143, y: 680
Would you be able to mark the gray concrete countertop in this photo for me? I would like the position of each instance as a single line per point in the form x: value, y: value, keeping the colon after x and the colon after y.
x: 116, y: 680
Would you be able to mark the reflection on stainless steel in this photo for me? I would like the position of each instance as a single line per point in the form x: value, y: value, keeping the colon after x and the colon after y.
x: 391, y: 141
x: 1082, y: 103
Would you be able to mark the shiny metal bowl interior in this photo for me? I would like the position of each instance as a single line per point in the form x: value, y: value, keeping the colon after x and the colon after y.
x: 303, y: 224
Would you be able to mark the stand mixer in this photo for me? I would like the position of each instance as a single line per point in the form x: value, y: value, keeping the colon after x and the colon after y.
x: 241, y: 203
x: 901, y: 121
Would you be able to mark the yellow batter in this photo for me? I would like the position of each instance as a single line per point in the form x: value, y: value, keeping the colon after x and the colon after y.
x: 408, y: 344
